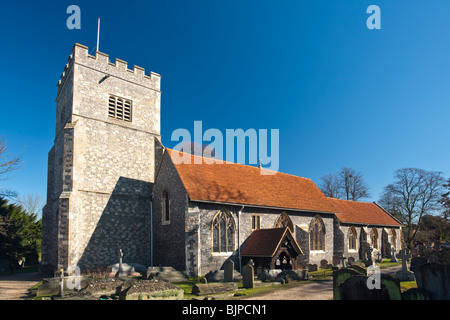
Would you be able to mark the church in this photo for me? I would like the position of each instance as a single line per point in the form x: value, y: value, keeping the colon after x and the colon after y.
x: 112, y: 185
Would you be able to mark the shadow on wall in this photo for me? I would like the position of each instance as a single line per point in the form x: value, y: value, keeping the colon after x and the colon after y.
x: 123, y: 224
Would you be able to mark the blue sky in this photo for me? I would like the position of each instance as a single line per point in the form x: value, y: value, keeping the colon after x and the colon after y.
x: 340, y: 94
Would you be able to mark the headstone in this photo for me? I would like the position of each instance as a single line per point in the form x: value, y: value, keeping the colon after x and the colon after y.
x: 358, y: 268
x: 228, y: 268
x: 355, y: 288
x: 435, y: 279
x: 339, y: 276
x: 417, y: 262
x: 213, y: 288
x: 312, y: 267
x: 248, y: 276
x: 393, y: 257
x: 343, y: 261
x: 323, y: 264
x: 168, y: 274
x: 416, y: 294
x: 269, y: 275
x: 369, y: 260
x: 392, y: 285
x: 405, y: 274
x: 378, y: 258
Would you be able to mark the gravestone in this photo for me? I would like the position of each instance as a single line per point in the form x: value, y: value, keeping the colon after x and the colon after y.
x: 343, y: 261
x: 417, y: 262
x: 435, y: 279
x: 164, y: 273
x: 393, y: 257
x: 378, y: 258
x: 248, y: 276
x: 339, y: 276
x: 228, y: 268
x: 355, y: 288
x: 369, y: 260
x: 392, y: 285
x: 312, y: 267
x: 416, y: 294
x: 358, y: 268
x: 405, y: 274
x: 323, y: 264
x: 201, y: 289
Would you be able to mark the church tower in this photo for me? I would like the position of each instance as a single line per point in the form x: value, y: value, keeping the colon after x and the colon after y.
x: 102, y: 165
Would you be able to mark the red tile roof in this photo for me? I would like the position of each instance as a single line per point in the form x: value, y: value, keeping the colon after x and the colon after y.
x: 362, y: 212
x: 242, y: 184
x: 265, y: 242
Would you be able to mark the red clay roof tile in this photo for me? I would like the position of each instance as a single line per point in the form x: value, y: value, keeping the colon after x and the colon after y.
x: 243, y: 184
x: 362, y: 212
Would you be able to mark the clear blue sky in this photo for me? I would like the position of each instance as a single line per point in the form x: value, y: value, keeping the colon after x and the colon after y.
x: 340, y: 94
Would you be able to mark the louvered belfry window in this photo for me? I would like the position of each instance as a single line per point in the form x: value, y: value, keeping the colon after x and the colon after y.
x: 119, y: 108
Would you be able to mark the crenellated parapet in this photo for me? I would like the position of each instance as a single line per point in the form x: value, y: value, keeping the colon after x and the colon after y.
x: 100, y: 62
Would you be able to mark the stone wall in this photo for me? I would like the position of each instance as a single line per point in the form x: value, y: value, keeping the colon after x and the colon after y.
x: 300, y: 220
x: 169, y: 236
x: 101, y: 169
x: 384, y: 242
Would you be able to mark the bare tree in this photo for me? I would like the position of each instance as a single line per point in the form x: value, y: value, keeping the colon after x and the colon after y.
x: 346, y: 184
x: 32, y: 203
x: 391, y: 202
x: 8, y: 164
x: 417, y: 193
x: 353, y: 184
x: 331, y: 186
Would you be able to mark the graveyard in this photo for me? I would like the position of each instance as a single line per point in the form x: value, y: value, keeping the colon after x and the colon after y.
x: 422, y: 274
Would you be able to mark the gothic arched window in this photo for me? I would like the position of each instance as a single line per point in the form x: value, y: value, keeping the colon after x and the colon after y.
x: 374, y: 238
x: 352, y: 236
x: 284, y: 221
x: 317, y: 234
x: 394, y: 238
x: 223, y: 229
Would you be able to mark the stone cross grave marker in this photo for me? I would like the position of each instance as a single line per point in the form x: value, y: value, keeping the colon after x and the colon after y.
x: 393, y: 258
x: 369, y: 261
x: 405, y: 274
x: 405, y: 257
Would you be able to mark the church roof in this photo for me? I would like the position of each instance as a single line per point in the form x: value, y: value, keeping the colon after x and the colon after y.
x: 245, y: 185
x: 265, y: 242
x: 362, y: 213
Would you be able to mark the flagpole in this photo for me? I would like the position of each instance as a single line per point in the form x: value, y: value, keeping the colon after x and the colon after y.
x: 98, y: 33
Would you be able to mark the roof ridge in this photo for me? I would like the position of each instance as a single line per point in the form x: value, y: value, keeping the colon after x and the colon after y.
x: 354, y: 201
x: 240, y: 164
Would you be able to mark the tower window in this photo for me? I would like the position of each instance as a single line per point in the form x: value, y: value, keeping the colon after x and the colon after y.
x: 119, y: 108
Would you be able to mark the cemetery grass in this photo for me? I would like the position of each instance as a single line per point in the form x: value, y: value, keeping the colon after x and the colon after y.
x: 245, y: 293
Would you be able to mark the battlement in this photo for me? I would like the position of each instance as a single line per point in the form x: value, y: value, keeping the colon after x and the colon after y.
x: 100, y: 62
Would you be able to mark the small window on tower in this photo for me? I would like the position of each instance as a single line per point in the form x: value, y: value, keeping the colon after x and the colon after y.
x: 119, y: 108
